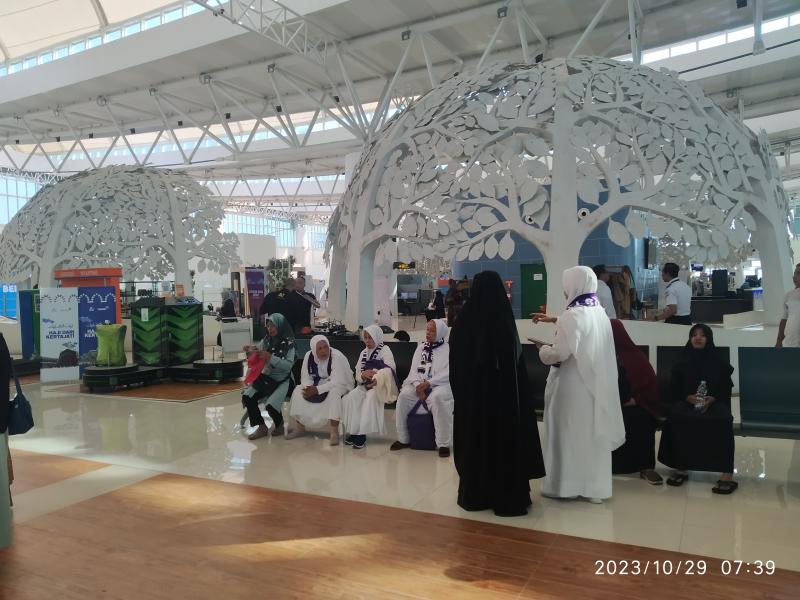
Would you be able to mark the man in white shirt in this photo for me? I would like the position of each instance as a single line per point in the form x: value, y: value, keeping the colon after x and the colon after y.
x: 677, y: 298
x: 604, y: 292
x: 789, y: 328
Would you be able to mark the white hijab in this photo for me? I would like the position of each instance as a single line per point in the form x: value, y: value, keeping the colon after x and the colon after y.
x: 322, y: 366
x: 591, y: 341
x: 376, y: 333
x: 441, y: 329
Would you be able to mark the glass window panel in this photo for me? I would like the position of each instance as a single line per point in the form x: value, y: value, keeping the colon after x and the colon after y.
x: 3, y: 71
x: 655, y: 55
x: 711, y: 42
x: 794, y: 19
x: 191, y: 9
x: 775, y: 25
x: 151, y: 22
x: 15, y: 67
x: 95, y: 41
x: 132, y: 28
x: 29, y: 62
x: 45, y: 58
x: 173, y: 15
x: 112, y: 35
x: 76, y: 47
x: 740, y: 34
x: 683, y: 49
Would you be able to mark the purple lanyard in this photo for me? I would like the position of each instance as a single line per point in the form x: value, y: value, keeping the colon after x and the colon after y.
x: 584, y: 300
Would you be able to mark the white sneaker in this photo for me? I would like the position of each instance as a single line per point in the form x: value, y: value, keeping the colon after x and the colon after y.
x: 596, y: 500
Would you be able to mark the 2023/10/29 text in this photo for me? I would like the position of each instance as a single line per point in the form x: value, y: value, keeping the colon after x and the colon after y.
x: 683, y: 567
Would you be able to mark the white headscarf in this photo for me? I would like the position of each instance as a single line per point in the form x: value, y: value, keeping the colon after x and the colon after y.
x: 441, y: 329
x: 578, y: 281
x: 322, y: 366
x: 376, y: 333
x: 588, y: 333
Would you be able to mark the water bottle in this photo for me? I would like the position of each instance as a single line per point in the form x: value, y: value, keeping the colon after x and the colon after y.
x: 702, y: 390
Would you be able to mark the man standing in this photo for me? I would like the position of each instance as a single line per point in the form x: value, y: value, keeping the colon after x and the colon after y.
x: 306, y: 303
x: 678, y: 298
x: 604, y: 292
x: 789, y: 328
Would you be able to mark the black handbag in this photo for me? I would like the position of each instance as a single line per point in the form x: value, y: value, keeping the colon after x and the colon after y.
x: 20, y: 415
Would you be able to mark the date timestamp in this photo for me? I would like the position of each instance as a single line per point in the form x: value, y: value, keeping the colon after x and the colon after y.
x: 683, y: 567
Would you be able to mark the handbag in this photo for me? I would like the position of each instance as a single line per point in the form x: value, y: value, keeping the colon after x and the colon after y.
x: 20, y: 415
x: 422, y: 435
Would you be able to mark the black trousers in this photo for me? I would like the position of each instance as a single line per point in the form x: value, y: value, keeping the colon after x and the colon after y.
x: 264, y: 387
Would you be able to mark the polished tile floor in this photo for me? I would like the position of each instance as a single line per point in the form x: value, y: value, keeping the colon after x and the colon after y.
x: 140, y: 438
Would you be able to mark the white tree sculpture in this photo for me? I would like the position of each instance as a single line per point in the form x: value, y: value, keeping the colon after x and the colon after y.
x: 549, y: 152
x: 148, y: 221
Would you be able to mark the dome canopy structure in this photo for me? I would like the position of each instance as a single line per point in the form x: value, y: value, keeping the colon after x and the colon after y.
x: 547, y: 153
x: 150, y: 222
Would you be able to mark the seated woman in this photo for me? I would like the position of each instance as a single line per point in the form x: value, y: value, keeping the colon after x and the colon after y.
x: 277, y: 350
x: 698, y: 433
x: 638, y: 393
x: 428, y: 381
x: 324, y: 379
x: 362, y: 408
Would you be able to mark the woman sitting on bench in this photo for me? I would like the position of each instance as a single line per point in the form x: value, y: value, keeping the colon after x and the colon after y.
x: 324, y: 379
x: 698, y: 433
x: 277, y: 348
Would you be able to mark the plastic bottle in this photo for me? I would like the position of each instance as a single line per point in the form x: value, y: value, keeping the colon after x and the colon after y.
x: 702, y: 391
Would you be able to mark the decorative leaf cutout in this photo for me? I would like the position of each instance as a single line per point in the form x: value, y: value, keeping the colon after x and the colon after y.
x: 491, y: 247
x: 486, y: 217
x: 635, y: 225
x: 589, y: 191
x: 476, y: 251
x: 506, y: 249
x: 618, y: 234
x: 629, y: 174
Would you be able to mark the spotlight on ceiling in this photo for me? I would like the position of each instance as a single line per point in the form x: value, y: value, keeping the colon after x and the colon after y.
x: 278, y: 108
x: 406, y: 35
x: 180, y: 123
x: 741, y: 3
x: 227, y: 116
x: 336, y: 99
x: 539, y: 58
x: 271, y: 68
x: 58, y: 138
x: 133, y: 130
x: 91, y: 136
x: 502, y: 12
x: 16, y: 141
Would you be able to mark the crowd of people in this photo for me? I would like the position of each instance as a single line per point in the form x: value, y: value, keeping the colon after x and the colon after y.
x: 602, y: 410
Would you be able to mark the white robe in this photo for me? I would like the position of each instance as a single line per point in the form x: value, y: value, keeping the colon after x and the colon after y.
x: 316, y: 415
x: 606, y: 299
x: 440, y: 400
x: 582, y: 413
x: 362, y: 409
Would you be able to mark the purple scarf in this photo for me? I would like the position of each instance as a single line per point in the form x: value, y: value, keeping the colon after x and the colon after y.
x: 584, y: 300
x: 373, y: 362
x: 313, y: 370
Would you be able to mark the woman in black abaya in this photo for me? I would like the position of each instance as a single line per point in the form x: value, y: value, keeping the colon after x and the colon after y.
x: 495, y: 438
x: 698, y: 433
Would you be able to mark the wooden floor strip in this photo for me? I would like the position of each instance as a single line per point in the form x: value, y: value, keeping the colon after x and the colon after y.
x: 174, y: 536
x: 34, y: 470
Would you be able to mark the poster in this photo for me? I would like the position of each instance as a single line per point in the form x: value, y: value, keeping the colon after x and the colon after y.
x: 96, y: 305
x: 256, y: 281
x: 59, y: 334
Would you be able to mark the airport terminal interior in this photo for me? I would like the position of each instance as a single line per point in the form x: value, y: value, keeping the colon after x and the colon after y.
x: 299, y: 298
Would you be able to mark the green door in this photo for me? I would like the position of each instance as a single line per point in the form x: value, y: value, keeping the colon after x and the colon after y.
x: 534, y: 288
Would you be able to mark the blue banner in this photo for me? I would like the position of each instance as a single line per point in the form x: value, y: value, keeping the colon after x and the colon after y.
x: 96, y: 305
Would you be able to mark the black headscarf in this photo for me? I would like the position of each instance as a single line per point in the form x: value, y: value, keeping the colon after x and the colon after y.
x: 702, y: 365
x: 489, y: 310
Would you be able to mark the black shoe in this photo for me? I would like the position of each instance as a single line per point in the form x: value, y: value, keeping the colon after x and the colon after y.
x: 398, y: 445
x: 444, y: 452
x: 348, y: 441
x: 359, y: 441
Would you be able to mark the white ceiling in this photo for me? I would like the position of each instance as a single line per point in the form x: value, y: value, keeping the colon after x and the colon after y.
x: 370, y: 31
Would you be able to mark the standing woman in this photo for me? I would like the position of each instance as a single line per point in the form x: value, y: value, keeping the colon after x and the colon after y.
x: 362, y: 408
x: 698, y: 432
x: 638, y: 390
x: 582, y: 413
x: 277, y: 348
x: 453, y: 301
x: 324, y: 379
x: 495, y: 437
x: 5, y: 496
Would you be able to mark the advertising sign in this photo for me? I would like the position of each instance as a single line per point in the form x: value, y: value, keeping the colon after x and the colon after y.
x: 96, y: 305
x: 256, y: 283
x: 59, y: 334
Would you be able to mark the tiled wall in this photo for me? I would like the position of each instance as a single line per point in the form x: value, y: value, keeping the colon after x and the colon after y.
x: 597, y: 249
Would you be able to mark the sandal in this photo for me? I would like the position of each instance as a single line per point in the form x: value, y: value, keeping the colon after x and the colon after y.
x: 725, y: 487
x: 678, y: 479
x: 651, y: 477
